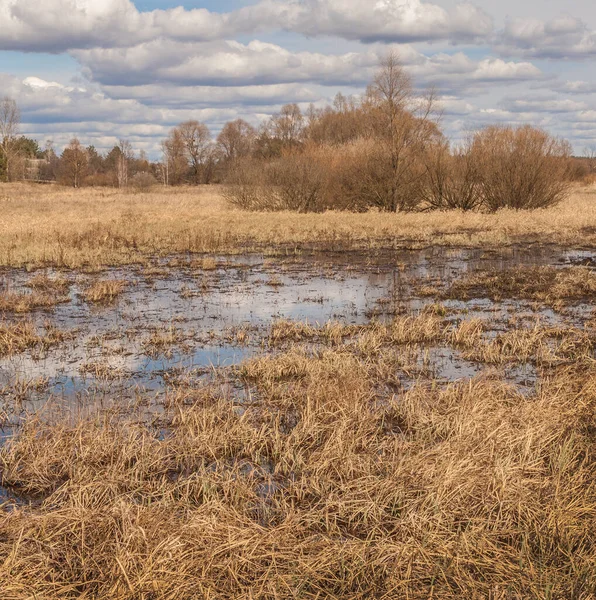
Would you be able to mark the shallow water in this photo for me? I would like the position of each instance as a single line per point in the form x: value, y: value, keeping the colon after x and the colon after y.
x: 223, y: 315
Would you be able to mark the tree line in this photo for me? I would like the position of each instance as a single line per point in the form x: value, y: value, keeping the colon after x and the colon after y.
x: 383, y: 150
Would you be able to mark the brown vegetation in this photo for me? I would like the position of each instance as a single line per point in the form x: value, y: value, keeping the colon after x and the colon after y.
x: 46, y: 293
x: 322, y: 486
x: 23, y: 335
x: 384, y: 150
x: 543, y: 284
x: 97, y: 227
x: 104, y: 291
x: 388, y: 152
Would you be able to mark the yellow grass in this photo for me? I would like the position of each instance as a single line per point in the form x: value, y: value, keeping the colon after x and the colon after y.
x: 21, y: 336
x: 104, y: 291
x: 93, y: 227
x: 321, y: 488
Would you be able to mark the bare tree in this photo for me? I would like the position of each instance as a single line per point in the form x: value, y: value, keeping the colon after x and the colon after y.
x: 74, y: 163
x: 288, y: 125
x: 10, y: 119
x: 403, y: 123
x: 196, y: 139
x: 236, y: 139
x: 164, y: 166
x: 175, y: 163
x: 590, y: 156
x: 123, y: 162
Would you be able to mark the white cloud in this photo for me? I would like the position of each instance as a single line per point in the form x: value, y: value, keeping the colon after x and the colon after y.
x: 564, y: 37
x: 57, y: 25
x: 384, y: 20
x: 258, y: 97
x: 60, y: 25
x: 222, y: 63
x: 456, y: 73
x: 52, y: 110
x: 542, y: 105
x: 230, y: 63
x: 579, y: 87
x: 144, y: 71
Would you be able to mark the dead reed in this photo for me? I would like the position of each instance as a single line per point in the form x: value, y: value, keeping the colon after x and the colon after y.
x: 24, y: 335
x: 543, y: 284
x: 17, y: 302
x: 104, y: 291
x: 318, y: 488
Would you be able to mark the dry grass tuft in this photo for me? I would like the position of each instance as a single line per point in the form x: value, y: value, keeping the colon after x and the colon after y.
x: 162, y: 340
x: 23, y: 335
x: 209, y: 264
x: 105, y: 291
x: 543, y: 284
x: 27, y: 302
x: 50, y: 285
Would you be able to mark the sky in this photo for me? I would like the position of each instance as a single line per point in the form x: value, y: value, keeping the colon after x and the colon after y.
x: 104, y: 70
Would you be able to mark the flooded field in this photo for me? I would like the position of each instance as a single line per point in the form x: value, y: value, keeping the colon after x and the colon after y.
x: 207, y: 414
x: 201, y: 317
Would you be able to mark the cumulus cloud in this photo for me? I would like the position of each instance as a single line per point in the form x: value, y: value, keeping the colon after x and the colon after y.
x: 564, y: 37
x: 381, y: 20
x: 542, y: 105
x: 578, y: 87
x: 144, y: 71
x: 229, y: 64
x: 255, y: 97
x: 60, y: 25
x: 458, y: 72
x: 52, y: 110
x: 222, y: 63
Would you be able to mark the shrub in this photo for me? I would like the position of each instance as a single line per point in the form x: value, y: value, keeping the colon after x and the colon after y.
x: 143, y: 182
x: 521, y: 167
x: 365, y: 178
x: 452, y: 179
x: 245, y: 186
x: 295, y: 181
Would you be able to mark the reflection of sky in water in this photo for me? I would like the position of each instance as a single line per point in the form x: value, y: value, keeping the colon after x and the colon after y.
x: 344, y: 287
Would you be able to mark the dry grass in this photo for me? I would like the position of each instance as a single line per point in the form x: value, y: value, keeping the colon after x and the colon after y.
x: 45, y: 284
x: 73, y: 228
x: 543, y: 284
x: 47, y: 292
x: 162, y: 340
x: 23, y: 335
x: 27, y: 302
x: 320, y: 489
x: 104, y: 291
x: 209, y: 264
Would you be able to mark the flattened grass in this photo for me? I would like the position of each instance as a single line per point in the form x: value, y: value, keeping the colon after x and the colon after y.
x: 318, y: 489
x: 542, y: 284
x: 322, y: 484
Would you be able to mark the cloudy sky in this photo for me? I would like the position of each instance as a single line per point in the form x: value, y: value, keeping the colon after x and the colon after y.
x: 109, y: 69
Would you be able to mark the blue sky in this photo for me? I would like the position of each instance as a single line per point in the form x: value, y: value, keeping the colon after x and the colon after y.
x: 103, y: 70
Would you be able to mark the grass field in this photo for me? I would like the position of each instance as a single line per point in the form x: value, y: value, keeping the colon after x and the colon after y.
x: 411, y: 423
x: 53, y: 226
